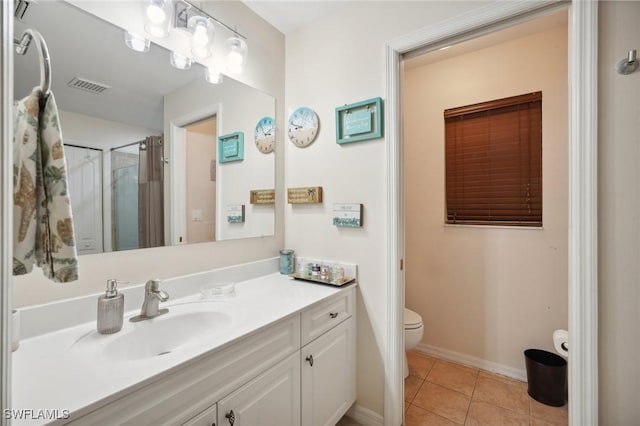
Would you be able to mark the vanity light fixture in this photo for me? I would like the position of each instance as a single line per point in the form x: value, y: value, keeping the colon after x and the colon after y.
x: 160, y: 16
x: 179, y: 61
x: 213, y: 75
x: 135, y: 42
x: 157, y: 17
x: 236, y: 54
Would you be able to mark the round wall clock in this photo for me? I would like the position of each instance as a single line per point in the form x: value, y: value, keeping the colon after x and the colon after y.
x: 303, y: 126
x: 265, y: 135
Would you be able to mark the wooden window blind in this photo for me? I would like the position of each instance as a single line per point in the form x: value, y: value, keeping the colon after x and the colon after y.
x: 494, y: 162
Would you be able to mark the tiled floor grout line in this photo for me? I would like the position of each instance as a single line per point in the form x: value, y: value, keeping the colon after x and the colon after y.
x: 475, y: 384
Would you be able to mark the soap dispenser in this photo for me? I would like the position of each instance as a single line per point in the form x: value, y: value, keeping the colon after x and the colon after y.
x: 110, y: 309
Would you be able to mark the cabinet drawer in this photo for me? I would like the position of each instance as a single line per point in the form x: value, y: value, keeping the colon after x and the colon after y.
x: 326, y: 315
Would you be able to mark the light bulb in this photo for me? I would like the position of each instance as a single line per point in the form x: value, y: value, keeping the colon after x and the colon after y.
x: 235, y: 59
x: 179, y: 61
x: 212, y: 75
x: 137, y: 43
x: 200, y: 36
x: 237, y: 52
x: 155, y: 13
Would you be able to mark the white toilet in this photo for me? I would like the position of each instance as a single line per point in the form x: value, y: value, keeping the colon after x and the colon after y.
x: 413, y: 329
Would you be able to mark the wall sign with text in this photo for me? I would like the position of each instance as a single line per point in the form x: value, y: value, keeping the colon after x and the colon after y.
x: 231, y: 147
x: 360, y: 121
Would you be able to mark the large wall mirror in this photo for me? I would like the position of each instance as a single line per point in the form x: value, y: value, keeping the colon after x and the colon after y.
x: 141, y: 138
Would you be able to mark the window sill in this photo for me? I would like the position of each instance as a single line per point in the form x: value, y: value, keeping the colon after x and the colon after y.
x: 520, y: 228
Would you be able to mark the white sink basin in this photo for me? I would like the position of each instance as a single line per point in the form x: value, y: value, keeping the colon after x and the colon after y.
x: 184, y: 324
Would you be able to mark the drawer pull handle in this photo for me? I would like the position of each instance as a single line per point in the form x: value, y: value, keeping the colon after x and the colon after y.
x: 333, y: 314
x: 231, y: 416
x: 310, y: 359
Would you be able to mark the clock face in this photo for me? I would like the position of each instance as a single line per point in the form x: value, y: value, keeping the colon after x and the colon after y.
x: 265, y: 135
x: 303, y: 126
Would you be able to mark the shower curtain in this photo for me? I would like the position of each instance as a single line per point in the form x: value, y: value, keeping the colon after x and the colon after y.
x: 151, y: 193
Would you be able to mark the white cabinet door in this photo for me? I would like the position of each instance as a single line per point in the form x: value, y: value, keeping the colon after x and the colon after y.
x: 207, y: 418
x: 271, y: 399
x: 328, y: 376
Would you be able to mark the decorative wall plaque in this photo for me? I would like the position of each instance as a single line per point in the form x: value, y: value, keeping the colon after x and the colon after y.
x: 231, y: 147
x: 306, y: 195
x: 359, y: 121
x: 235, y: 213
x: 347, y: 215
x: 262, y: 196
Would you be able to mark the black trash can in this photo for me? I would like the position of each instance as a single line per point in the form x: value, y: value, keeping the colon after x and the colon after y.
x: 546, y: 377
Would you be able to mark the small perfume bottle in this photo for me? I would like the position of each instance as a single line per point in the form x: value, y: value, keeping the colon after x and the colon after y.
x: 110, y: 309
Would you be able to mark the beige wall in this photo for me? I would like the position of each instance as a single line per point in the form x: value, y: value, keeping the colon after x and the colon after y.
x: 201, y: 189
x: 619, y: 216
x: 489, y: 293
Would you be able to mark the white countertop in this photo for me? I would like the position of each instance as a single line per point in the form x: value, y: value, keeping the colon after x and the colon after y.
x: 50, y: 372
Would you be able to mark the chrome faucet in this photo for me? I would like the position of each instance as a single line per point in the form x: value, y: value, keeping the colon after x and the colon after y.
x: 152, y: 298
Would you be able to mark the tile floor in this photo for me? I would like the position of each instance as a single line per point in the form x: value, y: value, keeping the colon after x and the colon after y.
x: 439, y: 392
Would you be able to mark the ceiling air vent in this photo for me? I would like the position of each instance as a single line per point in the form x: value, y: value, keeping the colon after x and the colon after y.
x: 87, y: 85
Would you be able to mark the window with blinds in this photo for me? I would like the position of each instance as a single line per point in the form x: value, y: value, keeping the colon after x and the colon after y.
x: 494, y: 162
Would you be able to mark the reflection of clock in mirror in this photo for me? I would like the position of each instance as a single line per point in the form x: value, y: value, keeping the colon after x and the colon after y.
x: 303, y: 126
x: 265, y: 135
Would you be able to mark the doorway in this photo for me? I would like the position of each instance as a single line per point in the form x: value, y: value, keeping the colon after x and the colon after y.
x: 488, y: 278
x: 193, y: 176
x: 200, y: 143
x: 582, y: 247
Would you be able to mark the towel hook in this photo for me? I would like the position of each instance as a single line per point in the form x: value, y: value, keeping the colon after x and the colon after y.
x: 628, y: 64
x: 45, y: 62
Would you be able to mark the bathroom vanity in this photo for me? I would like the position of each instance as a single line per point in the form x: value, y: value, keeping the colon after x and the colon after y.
x: 276, y: 352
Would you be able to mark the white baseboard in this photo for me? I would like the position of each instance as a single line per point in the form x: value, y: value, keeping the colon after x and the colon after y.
x: 364, y: 416
x: 472, y: 361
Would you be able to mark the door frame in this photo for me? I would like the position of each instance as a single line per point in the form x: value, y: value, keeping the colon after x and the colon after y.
x: 582, y: 253
x: 6, y: 201
x: 177, y: 152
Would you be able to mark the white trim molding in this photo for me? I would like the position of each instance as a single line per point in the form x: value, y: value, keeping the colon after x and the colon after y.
x: 583, y: 220
x: 472, y: 361
x: 364, y: 416
x: 394, y: 356
x: 176, y: 149
x: 583, y: 374
x: 6, y: 202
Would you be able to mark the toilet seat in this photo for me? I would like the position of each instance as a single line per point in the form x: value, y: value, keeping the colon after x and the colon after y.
x: 412, y: 320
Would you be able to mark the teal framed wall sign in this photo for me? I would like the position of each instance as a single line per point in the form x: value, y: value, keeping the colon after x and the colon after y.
x: 231, y: 147
x: 360, y: 121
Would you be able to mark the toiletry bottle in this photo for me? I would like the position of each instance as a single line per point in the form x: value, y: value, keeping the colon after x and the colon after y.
x: 110, y: 309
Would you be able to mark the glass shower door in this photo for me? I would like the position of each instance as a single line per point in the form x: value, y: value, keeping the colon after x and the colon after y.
x: 124, y: 173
